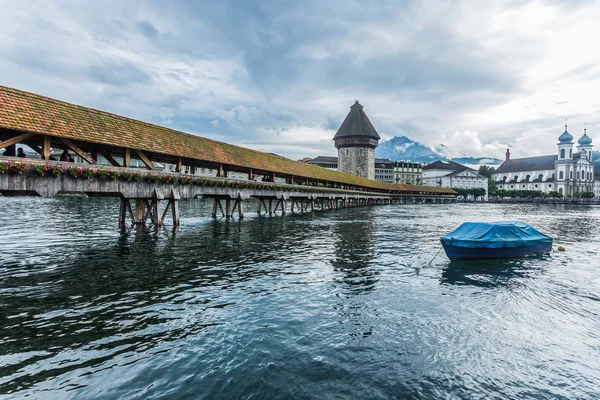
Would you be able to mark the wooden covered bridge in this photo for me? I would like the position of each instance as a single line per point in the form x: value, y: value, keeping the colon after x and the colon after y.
x: 109, y: 145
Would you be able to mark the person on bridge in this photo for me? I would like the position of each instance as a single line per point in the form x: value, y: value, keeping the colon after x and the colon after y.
x: 20, y: 152
x: 9, y: 152
x: 65, y: 157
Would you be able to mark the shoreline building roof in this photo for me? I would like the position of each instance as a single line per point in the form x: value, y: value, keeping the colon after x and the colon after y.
x: 449, y: 165
x: 527, y: 164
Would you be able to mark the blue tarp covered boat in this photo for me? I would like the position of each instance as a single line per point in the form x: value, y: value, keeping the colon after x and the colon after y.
x: 505, y: 239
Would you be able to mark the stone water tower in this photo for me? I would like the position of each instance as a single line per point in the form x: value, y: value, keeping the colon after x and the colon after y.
x: 356, y: 141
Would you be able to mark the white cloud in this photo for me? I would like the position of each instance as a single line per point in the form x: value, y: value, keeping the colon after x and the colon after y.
x: 468, y: 143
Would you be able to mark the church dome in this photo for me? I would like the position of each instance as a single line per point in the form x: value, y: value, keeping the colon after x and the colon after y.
x: 565, y: 137
x: 585, y: 140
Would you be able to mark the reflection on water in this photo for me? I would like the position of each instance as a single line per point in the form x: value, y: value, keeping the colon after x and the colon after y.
x: 353, y: 253
x: 488, y: 273
x: 312, y: 305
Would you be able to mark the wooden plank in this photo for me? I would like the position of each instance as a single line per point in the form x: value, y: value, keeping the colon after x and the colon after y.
x: 130, y: 210
x: 162, y: 219
x: 77, y: 150
x: 46, y: 148
x: 35, y: 148
x: 144, y: 159
x: 108, y: 157
x: 179, y: 165
x: 16, y: 139
x: 127, y: 158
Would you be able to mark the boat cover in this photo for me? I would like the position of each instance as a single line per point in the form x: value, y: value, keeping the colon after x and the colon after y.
x: 494, y: 235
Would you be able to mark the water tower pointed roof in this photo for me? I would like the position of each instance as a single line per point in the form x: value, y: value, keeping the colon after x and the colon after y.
x: 357, y: 124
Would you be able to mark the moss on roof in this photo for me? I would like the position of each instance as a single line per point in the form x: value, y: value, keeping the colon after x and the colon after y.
x: 28, y: 112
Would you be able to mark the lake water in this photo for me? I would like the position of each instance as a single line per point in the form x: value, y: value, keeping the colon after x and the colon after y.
x: 325, y: 305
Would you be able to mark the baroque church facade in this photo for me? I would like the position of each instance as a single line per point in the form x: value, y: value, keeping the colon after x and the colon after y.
x: 568, y: 172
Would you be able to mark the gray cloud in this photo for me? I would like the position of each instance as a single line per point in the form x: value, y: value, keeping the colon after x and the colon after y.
x: 147, y: 29
x: 259, y: 74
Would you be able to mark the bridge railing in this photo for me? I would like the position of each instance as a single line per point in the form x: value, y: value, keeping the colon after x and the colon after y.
x: 52, y: 169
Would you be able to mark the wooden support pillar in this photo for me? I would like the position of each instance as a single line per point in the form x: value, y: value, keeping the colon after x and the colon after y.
x: 94, y: 155
x: 250, y: 173
x: 145, y: 159
x: 214, y: 208
x: 270, y: 206
x: 220, y: 171
x: 108, y: 157
x: 46, y: 148
x: 240, y: 209
x: 77, y: 150
x: 312, y: 205
x: 127, y: 158
x: 12, y: 142
x: 122, y: 211
x: 179, y: 165
x: 140, y: 211
x: 260, y: 203
x: 156, y: 215
x: 282, y: 206
x: 175, y: 211
x: 292, y: 205
x: 228, y: 208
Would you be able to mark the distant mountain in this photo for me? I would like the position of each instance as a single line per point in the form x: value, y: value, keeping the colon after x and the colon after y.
x: 406, y: 149
x: 402, y: 148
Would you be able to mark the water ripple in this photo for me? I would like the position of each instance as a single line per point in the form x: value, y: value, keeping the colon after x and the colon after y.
x: 304, y: 306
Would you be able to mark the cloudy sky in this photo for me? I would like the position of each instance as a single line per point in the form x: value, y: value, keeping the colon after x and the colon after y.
x: 280, y: 76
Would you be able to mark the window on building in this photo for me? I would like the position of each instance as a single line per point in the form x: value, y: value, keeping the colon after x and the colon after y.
x: 505, y: 178
x: 562, y: 153
x: 571, y: 175
x: 561, y: 175
x: 523, y: 186
x: 516, y: 177
x: 550, y: 185
x: 527, y: 177
x: 570, y: 153
x: 536, y: 186
x: 541, y: 176
x: 511, y: 186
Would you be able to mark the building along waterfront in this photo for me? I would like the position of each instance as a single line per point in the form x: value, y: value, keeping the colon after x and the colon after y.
x: 567, y: 172
x: 449, y: 174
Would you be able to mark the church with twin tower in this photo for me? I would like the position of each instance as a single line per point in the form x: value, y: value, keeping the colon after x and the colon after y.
x: 567, y: 172
x: 356, y: 141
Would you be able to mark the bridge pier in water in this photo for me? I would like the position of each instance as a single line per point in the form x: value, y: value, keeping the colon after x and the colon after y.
x: 150, y: 197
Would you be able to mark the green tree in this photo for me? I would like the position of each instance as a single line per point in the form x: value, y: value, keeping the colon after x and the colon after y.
x: 486, y: 171
x: 554, y: 195
x: 492, y: 187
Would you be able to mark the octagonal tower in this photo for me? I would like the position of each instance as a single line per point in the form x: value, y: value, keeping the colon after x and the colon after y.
x: 356, y: 141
